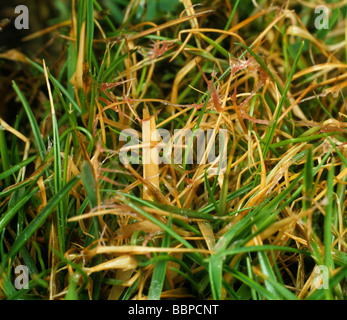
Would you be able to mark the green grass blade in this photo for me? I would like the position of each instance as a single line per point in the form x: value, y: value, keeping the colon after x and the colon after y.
x: 250, y: 275
x: 216, y: 45
x: 89, y: 182
x: 210, y: 193
x: 328, y: 236
x: 268, y: 272
x: 232, y: 195
x: 5, y: 160
x: 343, y: 159
x: 159, y: 271
x: 227, y: 26
x: 281, y: 290
x: 89, y: 31
x: 38, y: 221
x: 8, y: 216
x: 61, y: 219
x: 12, y: 189
x: 72, y: 290
x: 328, y: 261
x: 272, y: 127
x: 215, y: 270
x: 56, y: 83
x: 251, y: 283
x: 304, y: 139
x: 16, y: 167
x: 308, y: 181
x: 34, y: 127
x: 196, y: 256
x: 181, y: 211
x: 264, y: 247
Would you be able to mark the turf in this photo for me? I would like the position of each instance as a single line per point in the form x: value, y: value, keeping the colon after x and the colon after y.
x: 102, y: 198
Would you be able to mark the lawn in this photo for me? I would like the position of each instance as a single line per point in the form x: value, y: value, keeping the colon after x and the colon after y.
x: 172, y: 150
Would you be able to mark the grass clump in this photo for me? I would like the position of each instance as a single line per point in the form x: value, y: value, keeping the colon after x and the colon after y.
x: 251, y: 206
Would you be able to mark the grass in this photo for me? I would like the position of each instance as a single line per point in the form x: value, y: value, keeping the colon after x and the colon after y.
x: 89, y: 226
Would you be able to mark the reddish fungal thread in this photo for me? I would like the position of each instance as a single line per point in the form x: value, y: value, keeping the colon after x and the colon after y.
x: 158, y: 51
x: 211, y: 86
